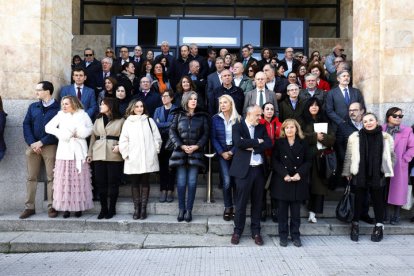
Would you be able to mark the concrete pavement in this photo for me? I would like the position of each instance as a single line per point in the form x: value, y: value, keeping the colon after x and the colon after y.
x: 320, y: 255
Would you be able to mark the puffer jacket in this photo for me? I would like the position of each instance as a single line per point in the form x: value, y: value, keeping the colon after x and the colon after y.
x: 189, y: 130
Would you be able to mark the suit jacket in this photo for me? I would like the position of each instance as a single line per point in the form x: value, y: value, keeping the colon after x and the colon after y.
x: 213, y: 82
x: 246, y: 84
x: 251, y: 97
x: 241, y: 142
x: 91, y: 71
x: 295, y: 64
x: 319, y: 94
x: 101, y: 149
x: 88, y: 98
x: 99, y: 79
x: 336, y: 108
x: 138, y: 65
x: 207, y: 70
x: 287, y: 112
x: 118, y: 65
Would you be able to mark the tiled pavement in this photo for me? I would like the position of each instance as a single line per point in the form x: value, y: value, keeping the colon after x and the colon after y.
x: 320, y: 255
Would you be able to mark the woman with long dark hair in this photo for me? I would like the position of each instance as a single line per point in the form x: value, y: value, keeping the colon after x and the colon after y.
x: 104, y: 152
x: 159, y: 75
x: 109, y: 90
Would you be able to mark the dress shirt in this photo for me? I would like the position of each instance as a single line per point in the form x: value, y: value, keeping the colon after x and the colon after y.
x: 311, y: 92
x: 258, y: 96
x: 294, y: 103
x: 237, y: 80
x: 228, y: 125
x: 256, y: 158
x: 359, y: 125
x: 271, y: 84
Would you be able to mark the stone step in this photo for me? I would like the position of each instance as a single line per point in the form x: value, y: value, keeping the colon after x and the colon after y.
x: 165, y: 224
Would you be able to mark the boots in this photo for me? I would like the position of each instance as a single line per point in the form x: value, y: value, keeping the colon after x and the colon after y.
x: 145, y: 195
x: 103, y: 199
x: 355, y: 231
x: 136, y: 198
x: 112, y: 206
x: 377, y: 233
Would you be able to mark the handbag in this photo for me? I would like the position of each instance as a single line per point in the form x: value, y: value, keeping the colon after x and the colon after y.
x: 345, y: 209
x: 410, y: 199
x: 327, y: 163
x: 169, y: 145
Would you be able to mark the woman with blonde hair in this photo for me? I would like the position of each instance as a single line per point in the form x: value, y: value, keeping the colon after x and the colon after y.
x: 139, y: 145
x: 221, y: 139
x: 72, y: 189
x: 291, y: 165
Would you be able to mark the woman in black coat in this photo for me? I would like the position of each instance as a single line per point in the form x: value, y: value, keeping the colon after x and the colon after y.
x: 290, y: 183
x: 189, y: 132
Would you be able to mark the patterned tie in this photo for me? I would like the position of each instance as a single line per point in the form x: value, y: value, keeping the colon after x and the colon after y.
x: 347, y: 99
x: 261, y: 99
x: 79, y: 95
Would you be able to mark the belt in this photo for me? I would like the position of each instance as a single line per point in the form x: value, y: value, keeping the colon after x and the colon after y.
x: 107, y: 138
x: 255, y: 166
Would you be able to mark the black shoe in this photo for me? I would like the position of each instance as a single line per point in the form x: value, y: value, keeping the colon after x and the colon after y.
x: 188, y: 217
x: 297, y: 242
x: 263, y: 215
x: 412, y: 219
x: 395, y: 221
x: 227, y: 214
x: 181, y: 214
x: 102, y: 214
x: 274, y: 215
x: 355, y: 231
x: 163, y: 196
x: 66, y: 214
x: 377, y: 234
x: 367, y: 219
x: 78, y: 214
x: 283, y: 242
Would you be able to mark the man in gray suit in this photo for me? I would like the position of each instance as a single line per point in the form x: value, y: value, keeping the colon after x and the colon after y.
x: 339, y: 99
x: 311, y: 90
x: 260, y: 95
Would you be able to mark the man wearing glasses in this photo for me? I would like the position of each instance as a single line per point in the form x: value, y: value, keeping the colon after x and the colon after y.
x: 123, y: 57
x: 289, y: 63
x: 92, y: 67
x: 337, y: 51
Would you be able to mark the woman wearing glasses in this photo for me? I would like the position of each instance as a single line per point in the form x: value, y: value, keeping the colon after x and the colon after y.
x: 404, y: 153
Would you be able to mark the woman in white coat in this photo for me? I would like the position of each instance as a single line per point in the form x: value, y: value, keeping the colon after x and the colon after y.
x: 72, y: 189
x: 139, y: 144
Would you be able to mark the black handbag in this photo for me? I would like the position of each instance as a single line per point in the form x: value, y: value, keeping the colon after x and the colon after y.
x: 345, y: 209
x: 327, y: 163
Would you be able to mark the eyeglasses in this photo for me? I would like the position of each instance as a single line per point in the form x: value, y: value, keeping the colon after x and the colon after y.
x: 300, y: 57
x: 342, y: 50
x: 395, y: 116
x: 88, y: 55
x: 250, y: 70
x: 165, y: 96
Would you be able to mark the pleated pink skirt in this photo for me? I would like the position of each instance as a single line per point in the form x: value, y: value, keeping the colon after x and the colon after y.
x: 72, y: 191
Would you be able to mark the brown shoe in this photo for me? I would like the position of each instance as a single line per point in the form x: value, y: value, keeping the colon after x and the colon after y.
x: 52, y: 213
x: 235, y: 238
x: 258, y: 239
x: 27, y: 213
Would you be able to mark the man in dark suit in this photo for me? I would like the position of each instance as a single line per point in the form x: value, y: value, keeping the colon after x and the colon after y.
x: 339, y: 99
x: 148, y: 96
x: 180, y: 67
x: 246, y: 56
x: 250, y: 140
x: 227, y: 88
x: 105, y: 71
x: 165, y: 52
x: 289, y: 63
x: 214, y: 79
x: 124, y: 57
x: 311, y: 90
x: 209, y: 64
x: 198, y: 80
x: 260, y: 95
x: 85, y: 94
x: 92, y: 66
x: 138, y: 60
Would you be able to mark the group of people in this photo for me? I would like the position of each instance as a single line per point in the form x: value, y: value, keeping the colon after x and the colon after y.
x: 270, y: 130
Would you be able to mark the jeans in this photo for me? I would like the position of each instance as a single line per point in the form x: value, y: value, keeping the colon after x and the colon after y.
x: 186, y: 176
x: 228, y: 182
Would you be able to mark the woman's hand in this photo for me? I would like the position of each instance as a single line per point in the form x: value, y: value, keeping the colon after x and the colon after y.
x: 287, y: 178
x: 115, y: 149
x: 227, y: 155
x: 296, y: 177
x: 89, y: 159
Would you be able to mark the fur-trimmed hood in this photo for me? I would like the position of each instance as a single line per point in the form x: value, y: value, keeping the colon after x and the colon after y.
x: 352, y: 156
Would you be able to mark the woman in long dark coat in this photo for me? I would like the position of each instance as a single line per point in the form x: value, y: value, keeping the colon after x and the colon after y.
x: 313, y: 114
x: 291, y: 165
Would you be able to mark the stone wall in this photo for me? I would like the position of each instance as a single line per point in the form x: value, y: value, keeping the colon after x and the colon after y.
x: 97, y: 42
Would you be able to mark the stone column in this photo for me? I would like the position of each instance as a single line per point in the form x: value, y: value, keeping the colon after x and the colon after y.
x: 35, y: 45
x: 383, y: 54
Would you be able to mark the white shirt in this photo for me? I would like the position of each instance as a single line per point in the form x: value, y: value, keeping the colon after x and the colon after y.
x: 258, y: 96
x: 76, y: 89
x: 256, y: 158
x: 271, y: 84
x: 237, y: 81
x: 228, y: 130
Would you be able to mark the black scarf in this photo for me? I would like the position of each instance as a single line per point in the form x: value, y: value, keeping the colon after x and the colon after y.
x: 370, y: 149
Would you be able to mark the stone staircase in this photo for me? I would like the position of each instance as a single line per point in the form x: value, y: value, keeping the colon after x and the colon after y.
x: 160, y: 229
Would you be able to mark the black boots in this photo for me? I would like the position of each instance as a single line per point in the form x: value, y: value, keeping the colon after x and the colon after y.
x: 180, y: 216
x: 136, y: 198
x: 104, y: 206
x: 377, y: 233
x: 112, y: 206
x: 188, y: 216
x: 145, y: 195
x: 355, y: 231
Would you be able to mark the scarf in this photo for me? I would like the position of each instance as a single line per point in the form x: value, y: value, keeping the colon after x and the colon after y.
x: 370, y: 150
x: 392, y: 130
x: 161, y: 84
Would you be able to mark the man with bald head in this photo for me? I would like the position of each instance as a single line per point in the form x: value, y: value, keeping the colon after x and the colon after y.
x: 227, y: 88
x: 337, y: 51
x: 240, y: 79
x: 260, y: 95
x: 289, y: 63
x: 250, y: 140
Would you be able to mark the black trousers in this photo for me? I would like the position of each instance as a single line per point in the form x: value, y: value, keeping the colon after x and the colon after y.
x: 316, y: 203
x: 377, y: 198
x: 252, y: 187
x: 138, y: 180
x: 107, y: 177
x: 284, y: 207
x: 167, y: 176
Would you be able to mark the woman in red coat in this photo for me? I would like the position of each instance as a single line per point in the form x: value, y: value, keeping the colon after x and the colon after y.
x: 271, y: 121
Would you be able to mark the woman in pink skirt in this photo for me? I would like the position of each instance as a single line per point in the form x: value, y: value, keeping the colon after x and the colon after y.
x: 72, y: 189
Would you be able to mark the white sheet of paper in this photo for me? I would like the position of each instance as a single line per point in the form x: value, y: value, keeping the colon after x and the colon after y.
x: 320, y: 127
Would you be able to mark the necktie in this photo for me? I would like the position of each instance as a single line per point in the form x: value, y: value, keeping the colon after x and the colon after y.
x: 79, y: 95
x: 347, y: 99
x: 244, y: 63
x: 261, y: 99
